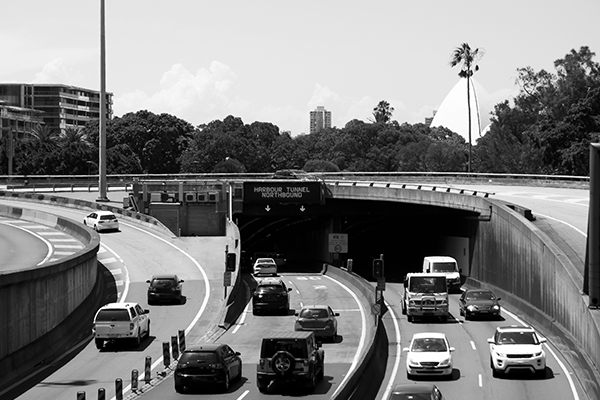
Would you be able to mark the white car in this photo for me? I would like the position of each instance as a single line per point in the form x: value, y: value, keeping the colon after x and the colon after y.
x: 264, y: 266
x: 116, y: 322
x: 429, y: 354
x: 102, y: 221
x: 517, y: 348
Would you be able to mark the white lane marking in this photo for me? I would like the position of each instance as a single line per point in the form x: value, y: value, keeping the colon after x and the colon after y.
x: 480, y: 381
x: 126, y: 273
x: 363, y: 335
x: 563, y: 222
x: 243, y: 395
x: 50, y: 233
x: 48, y: 245
x: 66, y: 246
x: 108, y: 260
x: 241, y: 322
x: 202, y: 307
x: 473, y: 345
x: 392, y: 380
x: 560, y: 363
x: 53, y: 240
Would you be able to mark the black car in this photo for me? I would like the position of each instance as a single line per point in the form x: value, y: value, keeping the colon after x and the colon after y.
x: 207, y: 364
x: 479, y: 303
x: 165, y: 287
x: 416, y: 392
x: 271, y: 294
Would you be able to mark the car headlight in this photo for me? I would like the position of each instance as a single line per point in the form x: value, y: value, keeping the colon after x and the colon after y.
x: 500, y: 354
x: 538, y: 354
x: 412, y: 362
x: 471, y: 308
x: 445, y: 362
x: 260, y: 296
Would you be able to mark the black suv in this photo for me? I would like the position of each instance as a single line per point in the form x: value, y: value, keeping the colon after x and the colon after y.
x: 164, y: 287
x: 290, y: 357
x: 200, y: 365
x: 271, y: 294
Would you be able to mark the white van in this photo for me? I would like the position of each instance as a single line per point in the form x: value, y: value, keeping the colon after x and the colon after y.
x: 446, y: 265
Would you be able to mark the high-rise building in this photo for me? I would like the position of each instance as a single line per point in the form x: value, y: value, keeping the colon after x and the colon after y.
x: 53, y: 105
x: 319, y: 119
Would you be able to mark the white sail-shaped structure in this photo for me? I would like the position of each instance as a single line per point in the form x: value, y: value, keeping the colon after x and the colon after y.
x: 453, y: 112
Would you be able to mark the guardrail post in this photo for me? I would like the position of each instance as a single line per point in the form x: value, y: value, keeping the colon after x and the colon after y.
x: 80, y: 395
x: 148, y: 370
x: 119, y: 389
x: 174, y: 347
x: 181, y: 341
x: 166, y: 355
x: 101, y: 394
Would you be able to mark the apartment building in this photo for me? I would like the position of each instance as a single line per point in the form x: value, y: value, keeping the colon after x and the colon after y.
x: 54, y: 105
x: 319, y: 119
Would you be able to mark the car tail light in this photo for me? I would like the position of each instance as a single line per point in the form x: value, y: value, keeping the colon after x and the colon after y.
x: 131, y: 326
x: 262, y: 362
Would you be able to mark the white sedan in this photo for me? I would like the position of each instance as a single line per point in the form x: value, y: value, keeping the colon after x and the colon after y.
x: 102, y: 221
x: 265, y: 266
x: 429, y: 354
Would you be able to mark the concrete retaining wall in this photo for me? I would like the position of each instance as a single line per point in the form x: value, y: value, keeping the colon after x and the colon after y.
x: 536, y: 278
x: 35, y: 301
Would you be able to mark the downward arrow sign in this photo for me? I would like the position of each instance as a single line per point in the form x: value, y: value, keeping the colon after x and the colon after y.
x: 302, y: 208
x: 268, y: 208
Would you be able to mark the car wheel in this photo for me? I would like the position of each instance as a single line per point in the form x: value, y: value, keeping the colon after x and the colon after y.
x: 96, y: 228
x: 410, y: 318
x: 541, y: 373
x: 148, y: 331
x: 226, y: 383
x: 444, y: 318
x: 409, y: 376
x: 321, y: 373
x: 99, y: 343
x: 467, y: 316
x: 137, y: 341
x: 179, y: 388
x: 84, y: 222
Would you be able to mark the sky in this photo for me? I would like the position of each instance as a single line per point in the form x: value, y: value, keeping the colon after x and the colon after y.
x: 274, y: 61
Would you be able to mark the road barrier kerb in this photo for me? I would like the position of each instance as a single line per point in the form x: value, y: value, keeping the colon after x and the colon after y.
x: 367, y: 294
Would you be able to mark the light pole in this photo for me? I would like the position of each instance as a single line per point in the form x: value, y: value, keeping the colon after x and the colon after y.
x: 102, y: 136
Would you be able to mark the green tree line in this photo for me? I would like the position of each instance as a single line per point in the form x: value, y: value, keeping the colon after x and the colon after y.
x: 546, y: 129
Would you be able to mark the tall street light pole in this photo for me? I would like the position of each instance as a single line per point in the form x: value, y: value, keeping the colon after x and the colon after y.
x: 102, y: 144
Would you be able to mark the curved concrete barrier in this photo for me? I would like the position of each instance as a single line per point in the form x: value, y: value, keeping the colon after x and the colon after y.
x: 40, y: 305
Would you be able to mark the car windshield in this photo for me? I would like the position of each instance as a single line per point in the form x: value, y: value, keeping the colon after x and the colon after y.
x: 198, y: 356
x: 517, y: 338
x: 412, y: 396
x: 443, y: 267
x: 164, y: 282
x: 480, y: 296
x: 429, y: 345
x: 427, y: 285
x: 107, y: 217
x: 294, y: 347
x: 265, y: 265
x: 314, y: 313
x: 110, y: 315
x: 270, y: 289
x: 264, y: 261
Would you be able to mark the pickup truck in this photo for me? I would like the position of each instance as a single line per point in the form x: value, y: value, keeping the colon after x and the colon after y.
x: 120, y: 322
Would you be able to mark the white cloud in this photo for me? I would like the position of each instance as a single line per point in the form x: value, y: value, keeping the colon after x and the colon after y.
x: 57, y: 71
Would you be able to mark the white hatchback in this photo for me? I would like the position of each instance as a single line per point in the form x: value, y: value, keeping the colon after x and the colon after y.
x: 429, y: 354
x: 102, y: 221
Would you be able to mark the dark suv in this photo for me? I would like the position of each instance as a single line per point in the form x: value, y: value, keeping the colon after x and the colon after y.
x: 290, y: 357
x: 207, y: 364
x: 166, y: 287
x: 271, y: 294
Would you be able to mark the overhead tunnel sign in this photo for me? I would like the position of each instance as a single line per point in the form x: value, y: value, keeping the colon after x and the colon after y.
x: 283, y: 192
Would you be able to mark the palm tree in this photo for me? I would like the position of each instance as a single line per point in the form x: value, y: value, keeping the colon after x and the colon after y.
x: 44, y: 137
x: 74, y: 137
x: 468, y: 58
x: 382, y: 113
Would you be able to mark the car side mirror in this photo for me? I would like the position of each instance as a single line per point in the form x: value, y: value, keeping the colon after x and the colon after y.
x: 181, y: 281
x: 296, y: 314
x: 319, y: 344
x: 148, y: 281
x: 337, y: 314
x: 498, y: 299
x: 237, y: 353
x: 490, y: 340
x: 146, y: 311
x: 452, y: 349
x: 289, y: 289
x: 543, y: 340
x: 405, y: 349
